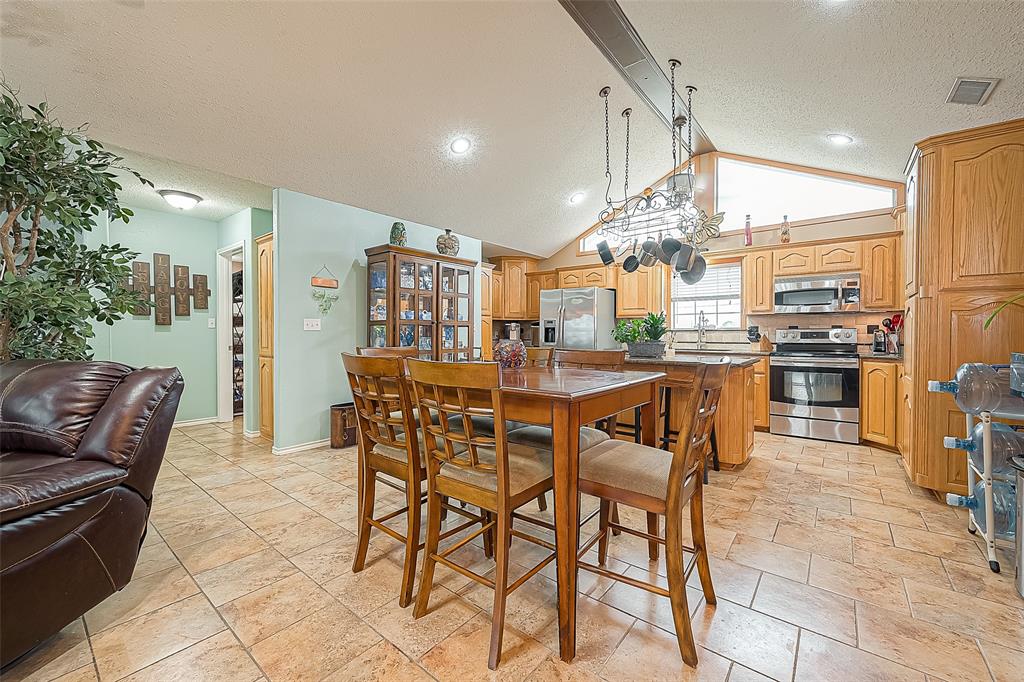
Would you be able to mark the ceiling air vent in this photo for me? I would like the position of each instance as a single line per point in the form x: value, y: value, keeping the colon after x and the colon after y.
x: 974, y: 91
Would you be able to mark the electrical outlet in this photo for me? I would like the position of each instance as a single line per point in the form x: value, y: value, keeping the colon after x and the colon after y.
x: 311, y: 324
x: 211, y: 323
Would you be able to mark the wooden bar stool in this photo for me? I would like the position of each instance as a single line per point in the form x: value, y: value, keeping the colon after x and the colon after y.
x: 538, y: 356
x: 644, y: 478
x: 485, y: 471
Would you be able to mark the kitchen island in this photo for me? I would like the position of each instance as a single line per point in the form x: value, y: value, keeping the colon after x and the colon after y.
x: 734, y: 422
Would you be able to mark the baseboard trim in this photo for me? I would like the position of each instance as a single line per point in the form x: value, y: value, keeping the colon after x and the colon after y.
x: 195, y: 422
x: 251, y: 434
x: 292, y: 449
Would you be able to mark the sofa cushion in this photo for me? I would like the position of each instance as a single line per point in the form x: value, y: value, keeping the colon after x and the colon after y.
x: 16, y: 461
x: 48, y: 406
x: 42, y: 488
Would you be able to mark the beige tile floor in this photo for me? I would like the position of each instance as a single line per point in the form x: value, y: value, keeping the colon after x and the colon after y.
x: 828, y: 566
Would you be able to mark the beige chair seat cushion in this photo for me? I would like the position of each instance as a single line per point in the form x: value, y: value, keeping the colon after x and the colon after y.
x: 540, y: 437
x: 628, y: 466
x: 527, y: 467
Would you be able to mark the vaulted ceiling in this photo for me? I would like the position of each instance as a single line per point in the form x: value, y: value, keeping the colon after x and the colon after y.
x: 358, y: 101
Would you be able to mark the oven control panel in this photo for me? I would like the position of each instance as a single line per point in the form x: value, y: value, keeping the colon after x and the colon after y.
x: 815, y: 336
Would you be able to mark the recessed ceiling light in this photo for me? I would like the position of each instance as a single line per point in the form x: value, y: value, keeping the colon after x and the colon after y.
x: 460, y: 145
x: 576, y: 198
x: 180, y: 200
x: 839, y: 139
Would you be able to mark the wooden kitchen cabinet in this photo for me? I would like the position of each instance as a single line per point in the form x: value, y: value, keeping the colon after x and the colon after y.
x: 640, y: 292
x: 590, y: 276
x: 734, y: 421
x: 537, y: 282
x: 793, y: 261
x: 762, y: 394
x: 266, y: 399
x: 486, y: 277
x: 881, y: 288
x: 514, y: 292
x: 842, y: 257
x: 498, y: 296
x: 486, y: 338
x: 758, y: 283
x: 265, y: 333
x: 878, y: 391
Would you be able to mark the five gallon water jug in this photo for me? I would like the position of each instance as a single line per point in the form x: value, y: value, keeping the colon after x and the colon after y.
x: 980, y: 388
x: 1004, y: 505
x: 1006, y: 443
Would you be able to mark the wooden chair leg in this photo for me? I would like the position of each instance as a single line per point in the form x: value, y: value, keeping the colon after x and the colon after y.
x: 488, y: 534
x: 444, y: 512
x: 700, y: 543
x: 367, y: 491
x: 602, y: 544
x: 501, y: 551
x: 677, y: 589
x: 429, y: 550
x: 652, y: 528
x: 412, y: 543
x: 614, y: 514
x: 542, y: 502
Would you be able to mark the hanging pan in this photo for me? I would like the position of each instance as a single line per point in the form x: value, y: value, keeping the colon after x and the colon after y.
x: 696, y: 271
x: 632, y: 262
x: 605, y: 252
x: 669, y: 247
x: 649, y: 253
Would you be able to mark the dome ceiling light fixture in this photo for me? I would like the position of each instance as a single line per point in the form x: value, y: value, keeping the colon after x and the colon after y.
x: 576, y: 198
x: 460, y: 145
x: 183, y: 201
x: 666, y: 222
x: 839, y: 139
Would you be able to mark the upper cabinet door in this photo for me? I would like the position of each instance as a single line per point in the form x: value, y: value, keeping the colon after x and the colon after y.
x: 514, y: 280
x: 596, y: 276
x: 497, y: 296
x: 485, y: 291
x: 758, y: 289
x: 880, y: 284
x: 844, y: 257
x: 569, y: 279
x: 910, y: 229
x: 981, y: 212
x: 794, y: 261
x: 265, y: 295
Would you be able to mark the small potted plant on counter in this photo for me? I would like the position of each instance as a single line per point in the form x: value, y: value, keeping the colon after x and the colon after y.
x: 642, y: 337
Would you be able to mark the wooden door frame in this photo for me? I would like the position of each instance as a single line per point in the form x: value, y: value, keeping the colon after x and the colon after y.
x: 225, y: 409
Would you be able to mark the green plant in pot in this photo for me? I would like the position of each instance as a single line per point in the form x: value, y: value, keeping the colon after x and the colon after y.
x: 54, y: 183
x: 643, y: 337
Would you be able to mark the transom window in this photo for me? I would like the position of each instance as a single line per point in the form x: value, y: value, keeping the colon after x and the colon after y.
x: 768, y: 192
x: 717, y: 295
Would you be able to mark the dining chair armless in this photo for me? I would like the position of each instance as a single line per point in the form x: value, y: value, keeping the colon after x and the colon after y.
x: 538, y: 356
x: 645, y: 478
x: 385, y: 418
x: 484, y: 470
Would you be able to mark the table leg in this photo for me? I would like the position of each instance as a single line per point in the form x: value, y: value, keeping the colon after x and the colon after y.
x: 565, y: 428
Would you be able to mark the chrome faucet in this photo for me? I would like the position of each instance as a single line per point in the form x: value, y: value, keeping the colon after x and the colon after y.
x: 702, y: 330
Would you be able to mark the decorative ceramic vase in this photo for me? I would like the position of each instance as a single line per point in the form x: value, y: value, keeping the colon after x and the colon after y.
x: 398, y: 234
x: 510, y: 353
x: 448, y: 244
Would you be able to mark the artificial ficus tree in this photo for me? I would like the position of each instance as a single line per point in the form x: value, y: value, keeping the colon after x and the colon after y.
x: 54, y: 184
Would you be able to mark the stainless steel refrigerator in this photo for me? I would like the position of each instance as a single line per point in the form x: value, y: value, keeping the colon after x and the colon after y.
x: 578, y: 318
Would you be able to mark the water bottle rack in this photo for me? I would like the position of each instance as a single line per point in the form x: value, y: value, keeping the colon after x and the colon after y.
x: 992, y: 539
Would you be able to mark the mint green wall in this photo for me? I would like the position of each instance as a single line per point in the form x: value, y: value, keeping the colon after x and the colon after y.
x: 187, y: 342
x: 308, y: 374
x: 245, y: 226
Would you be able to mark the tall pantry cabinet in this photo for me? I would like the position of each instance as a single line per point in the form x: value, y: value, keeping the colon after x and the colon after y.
x: 265, y: 334
x: 963, y: 258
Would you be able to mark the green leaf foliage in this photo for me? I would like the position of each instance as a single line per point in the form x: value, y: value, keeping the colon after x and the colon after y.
x: 650, y: 328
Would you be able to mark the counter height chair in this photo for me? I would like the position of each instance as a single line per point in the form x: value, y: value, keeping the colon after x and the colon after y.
x: 485, y: 471
x: 388, y: 351
x: 385, y: 416
x: 645, y: 478
x: 538, y: 356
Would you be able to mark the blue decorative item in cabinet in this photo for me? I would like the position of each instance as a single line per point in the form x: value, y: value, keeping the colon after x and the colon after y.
x: 406, y: 335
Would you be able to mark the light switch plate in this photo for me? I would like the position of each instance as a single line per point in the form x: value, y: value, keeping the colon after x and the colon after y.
x: 211, y: 323
x: 311, y: 324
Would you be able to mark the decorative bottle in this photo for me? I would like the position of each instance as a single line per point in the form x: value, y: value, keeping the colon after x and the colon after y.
x: 784, y: 232
x: 748, y: 236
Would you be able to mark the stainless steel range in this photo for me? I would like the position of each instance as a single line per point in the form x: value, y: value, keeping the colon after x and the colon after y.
x: 815, y: 384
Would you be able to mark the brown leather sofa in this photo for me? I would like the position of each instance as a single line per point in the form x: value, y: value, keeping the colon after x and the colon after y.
x: 80, y: 447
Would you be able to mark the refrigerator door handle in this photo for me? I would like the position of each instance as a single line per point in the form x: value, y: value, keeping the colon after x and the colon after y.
x: 559, y: 326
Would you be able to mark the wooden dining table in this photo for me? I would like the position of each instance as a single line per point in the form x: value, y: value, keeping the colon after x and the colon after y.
x: 566, y: 399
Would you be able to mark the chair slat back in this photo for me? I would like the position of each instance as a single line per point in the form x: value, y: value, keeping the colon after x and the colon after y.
x: 609, y: 360
x: 715, y: 373
x: 382, y: 401
x: 388, y: 351
x: 455, y: 392
x: 538, y: 356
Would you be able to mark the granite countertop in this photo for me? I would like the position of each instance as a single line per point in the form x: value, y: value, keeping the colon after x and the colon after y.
x: 687, y: 357
x: 881, y: 356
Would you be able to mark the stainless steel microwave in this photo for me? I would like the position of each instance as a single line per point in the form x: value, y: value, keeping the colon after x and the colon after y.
x: 818, y: 294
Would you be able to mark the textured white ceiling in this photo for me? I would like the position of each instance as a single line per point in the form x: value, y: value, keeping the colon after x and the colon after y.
x: 357, y: 101
x: 774, y: 78
x: 222, y: 195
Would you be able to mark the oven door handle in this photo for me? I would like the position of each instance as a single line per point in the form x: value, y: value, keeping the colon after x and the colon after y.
x: 815, y: 364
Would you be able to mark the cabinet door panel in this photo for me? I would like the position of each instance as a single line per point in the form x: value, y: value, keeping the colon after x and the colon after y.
x: 514, y: 280
x: 758, y: 286
x: 265, y: 296
x: 878, y: 402
x: 533, y: 285
x: 837, y: 257
x: 485, y: 291
x: 879, y: 283
x: 266, y: 372
x: 595, y: 277
x: 497, y: 296
x: 761, y: 394
x: 794, y: 261
x: 569, y: 279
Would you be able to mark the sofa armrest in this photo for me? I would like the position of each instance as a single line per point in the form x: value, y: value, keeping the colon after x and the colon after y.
x: 130, y: 431
x: 28, y: 492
